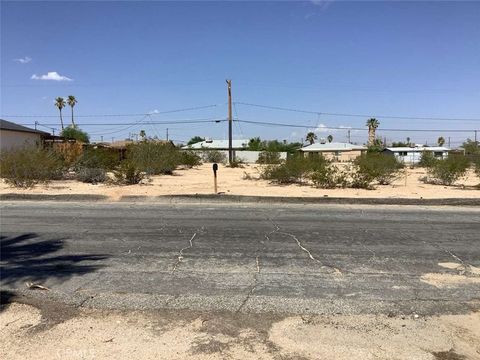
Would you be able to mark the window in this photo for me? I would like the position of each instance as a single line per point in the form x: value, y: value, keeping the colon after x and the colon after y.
x: 402, y: 153
x: 438, y: 154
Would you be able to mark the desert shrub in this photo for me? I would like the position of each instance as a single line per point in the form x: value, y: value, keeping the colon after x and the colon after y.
x: 68, y: 152
x: 98, y: 158
x: 189, y: 159
x: 329, y: 177
x: 154, y: 158
x: 375, y: 167
x: 128, y: 173
x: 28, y: 166
x: 269, y: 157
x: 427, y: 160
x: 476, y: 164
x: 294, y: 170
x: 447, y: 171
x: 214, y: 156
x: 91, y: 175
x: 74, y: 133
x: 237, y: 163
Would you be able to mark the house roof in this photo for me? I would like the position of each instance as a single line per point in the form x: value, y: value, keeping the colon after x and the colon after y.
x: 417, y: 148
x: 218, y: 144
x: 8, y: 125
x: 333, y: 146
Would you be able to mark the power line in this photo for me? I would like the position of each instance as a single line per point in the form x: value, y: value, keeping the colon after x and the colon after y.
x: 357, y: 115
x: 120, y: 115
x: 350, y: 128
x: 166, y: 122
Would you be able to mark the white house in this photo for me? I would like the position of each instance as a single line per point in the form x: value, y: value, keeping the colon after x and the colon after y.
x: 15, y: 136
x: 412, y: 155
x: 335, y: 151
x: 239, y: 147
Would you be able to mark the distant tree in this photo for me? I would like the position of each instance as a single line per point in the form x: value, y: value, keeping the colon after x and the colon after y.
x: 372, y: 124
x: 440, y: 141
x: 408, y: 141
x: 71, y: 101
x: 329, y: 138
x: 400, y: 144
x: 256, y: 144
x: 311, y: 137
x: 195, y: 139
x: 143, y: 135
x: 60, y: 104
x: 376, y: 146
x: 471, y: 147
x: 74, y: 133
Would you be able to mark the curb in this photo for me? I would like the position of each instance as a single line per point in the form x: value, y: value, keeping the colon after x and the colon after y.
x: 315, y: 200
x: 221, y: 198
x: 60, y: 197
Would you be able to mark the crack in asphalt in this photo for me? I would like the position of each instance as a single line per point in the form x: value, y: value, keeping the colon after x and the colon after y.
x: 180, y: 253
x: 254, y: 286
x: 303, y: 248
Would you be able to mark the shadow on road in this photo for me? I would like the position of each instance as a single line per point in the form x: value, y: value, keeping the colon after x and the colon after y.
x: 29, y: 258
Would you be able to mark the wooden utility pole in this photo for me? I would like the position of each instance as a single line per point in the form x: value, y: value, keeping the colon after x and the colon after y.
x: 349, y: 140
x: 167, y: 134
x: 230, y: 119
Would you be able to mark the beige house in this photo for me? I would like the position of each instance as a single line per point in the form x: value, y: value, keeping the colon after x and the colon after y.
x: 15, y: 136
x: 335, y: 151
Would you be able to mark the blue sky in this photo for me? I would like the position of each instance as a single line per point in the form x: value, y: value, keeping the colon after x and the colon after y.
x: 389, y: 58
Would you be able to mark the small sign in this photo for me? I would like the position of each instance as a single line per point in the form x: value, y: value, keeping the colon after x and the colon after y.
x: 215, y: 168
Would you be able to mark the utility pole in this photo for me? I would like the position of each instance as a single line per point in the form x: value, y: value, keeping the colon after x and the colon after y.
x: 101, y: 138
x: 349, y: 140
x: 167, y: 134
x: 36, y: 123
x: 449, y: 141
x: 230, y: 150
x: 476, y: 144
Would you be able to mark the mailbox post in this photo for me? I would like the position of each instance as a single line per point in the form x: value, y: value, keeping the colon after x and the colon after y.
x: 215, y: 168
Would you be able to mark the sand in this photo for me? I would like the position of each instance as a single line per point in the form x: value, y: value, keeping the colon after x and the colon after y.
x: 113, y: 335
x: 199, y: 180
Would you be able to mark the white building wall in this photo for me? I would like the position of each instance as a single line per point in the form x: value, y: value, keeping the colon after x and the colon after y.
x: 248, y: 157
x: 16, y: 139
x: 413, y: 157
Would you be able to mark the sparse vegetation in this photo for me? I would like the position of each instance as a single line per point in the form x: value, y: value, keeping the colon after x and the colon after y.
x: 295, y: 169
x: 214, y: 156
x: 154, y: 158
x: 128, y: 173
x: 28, y: 166
x: 189, y: 159
x: 375, y: 167
x: 269, y: 157
x: 447, y: 171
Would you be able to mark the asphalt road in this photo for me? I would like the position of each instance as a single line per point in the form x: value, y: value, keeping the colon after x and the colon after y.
x: 242, y: 258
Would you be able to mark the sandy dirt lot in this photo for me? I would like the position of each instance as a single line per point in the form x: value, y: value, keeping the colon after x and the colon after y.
x: 232, y: 181
x: 27, y: 333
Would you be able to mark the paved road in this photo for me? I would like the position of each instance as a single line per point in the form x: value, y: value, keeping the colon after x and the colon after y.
x: 244, y: 258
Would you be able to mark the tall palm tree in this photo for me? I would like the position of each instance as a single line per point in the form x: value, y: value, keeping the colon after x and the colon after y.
x: 441, y: 141
x: 60, y: 104
x: 372, y: 126
x: 311, y: 137
x: 408, y: 141
x: 71, y: 101
x: 330, y: 138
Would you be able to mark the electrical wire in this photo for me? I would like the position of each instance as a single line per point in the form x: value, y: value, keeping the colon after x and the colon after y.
x: 356, y: 115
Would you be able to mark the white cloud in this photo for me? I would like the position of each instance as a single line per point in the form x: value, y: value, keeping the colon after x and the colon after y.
x: 24, y: 60
x: 51, y: 75
x: 153, y: 112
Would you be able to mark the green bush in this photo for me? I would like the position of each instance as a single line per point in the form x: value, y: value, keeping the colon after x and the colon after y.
x: 329, y: 177
x: 128, y: 173
x: 476, y: 163
x: 91, y: 175
x: 214, y: 156
x: 74, y: 133
x: 190, y: 159
x: 269, y: 157
x: 98, y: 158
x: 28, y: 166
x: 237, y: 163
x: 447, y: 171
x: 375, y: 167
x: 294, y: 170
x: 427, y: 160
x: 154, y: 158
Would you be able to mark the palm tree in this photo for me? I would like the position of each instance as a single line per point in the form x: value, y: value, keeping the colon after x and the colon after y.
x: 71, y: 101
x: 311, y: 137
x: 60, y: 104
x: 408, y: 141
x: 372, y: 124
x: 330, y: 138
x: 441, y: 141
